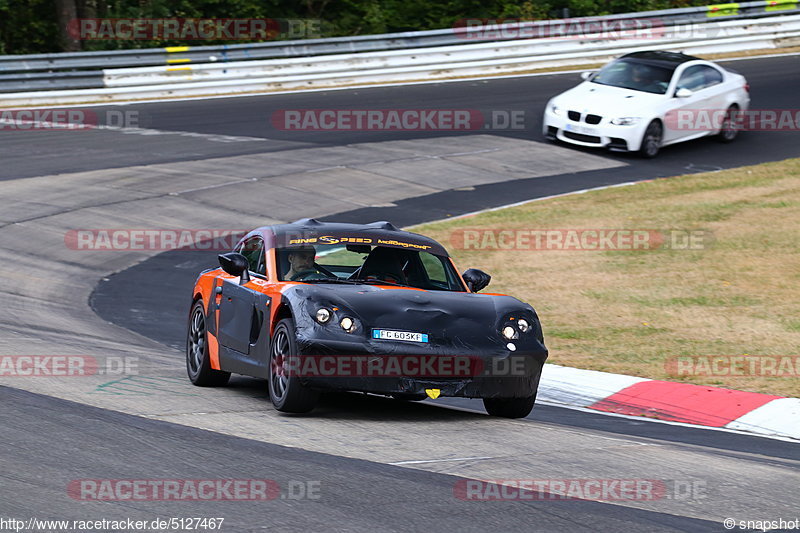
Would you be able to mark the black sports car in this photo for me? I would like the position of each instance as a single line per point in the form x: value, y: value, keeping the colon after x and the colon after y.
x: 314, y: 306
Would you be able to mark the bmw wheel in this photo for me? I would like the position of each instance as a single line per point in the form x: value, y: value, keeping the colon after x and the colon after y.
x: 651, y: 141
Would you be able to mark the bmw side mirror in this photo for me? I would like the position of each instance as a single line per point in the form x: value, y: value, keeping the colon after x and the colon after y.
x: 683, y: 92
x: 476, y: 279
x: 235, y: 264
x: 587, y: 75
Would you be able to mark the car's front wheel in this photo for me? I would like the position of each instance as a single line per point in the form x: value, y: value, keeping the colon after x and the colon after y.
x: 285, y: 390
x: 509, y: 407
x: 651, y: 140
x: 198, y: 363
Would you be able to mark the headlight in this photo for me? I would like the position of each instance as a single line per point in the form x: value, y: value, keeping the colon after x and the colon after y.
x: 554, y: 109
x: 625, y: 121
x: 523, y: 325
x: 348, y: 324
x: 509, y: 332
x: 323, y: 315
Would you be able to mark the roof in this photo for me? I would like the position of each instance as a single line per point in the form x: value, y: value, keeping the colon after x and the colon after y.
x: 309, y: 231
x: 660, y: 58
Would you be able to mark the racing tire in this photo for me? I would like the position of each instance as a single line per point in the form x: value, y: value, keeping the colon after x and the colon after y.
x: 509, y: 407
x: 651, y: 140
x: 728, y: 132
x: 198, y: 361
x: 286, y: 392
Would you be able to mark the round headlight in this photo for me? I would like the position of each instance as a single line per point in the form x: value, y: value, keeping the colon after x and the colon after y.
x: 511, y: 346
x: 509, y: 332
x: 523, y: 325
x: 323, y: 315
x: 348, y: 324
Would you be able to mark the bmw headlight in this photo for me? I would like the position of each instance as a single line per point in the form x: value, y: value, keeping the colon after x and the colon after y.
x: 625, y: 121
x: 554, y: 109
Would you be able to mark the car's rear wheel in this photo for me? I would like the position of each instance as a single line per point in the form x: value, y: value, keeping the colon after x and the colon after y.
x: 288, y: 395
x: 728, y: 130
x: 198, y: 363
x: 509, y: 407
x: 651, y: 140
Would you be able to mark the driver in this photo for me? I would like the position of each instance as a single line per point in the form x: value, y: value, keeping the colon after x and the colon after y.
x: 643, y: 78
x: 301, y: 261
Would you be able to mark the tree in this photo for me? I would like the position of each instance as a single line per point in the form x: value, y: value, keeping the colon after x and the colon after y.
x: 67, y: 14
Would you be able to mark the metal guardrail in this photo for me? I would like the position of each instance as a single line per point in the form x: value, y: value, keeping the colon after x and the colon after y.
x: 527, y: 52
x: 432, y: 63
x: 80, y: 70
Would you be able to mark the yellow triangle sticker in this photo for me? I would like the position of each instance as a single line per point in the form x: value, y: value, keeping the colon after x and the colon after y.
x: 433, y: 393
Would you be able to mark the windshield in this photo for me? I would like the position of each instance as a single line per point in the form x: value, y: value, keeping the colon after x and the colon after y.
x: 634, y: 75
x: 365, y: 264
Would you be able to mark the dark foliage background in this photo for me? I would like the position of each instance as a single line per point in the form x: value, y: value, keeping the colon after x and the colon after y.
x: 34, y: 26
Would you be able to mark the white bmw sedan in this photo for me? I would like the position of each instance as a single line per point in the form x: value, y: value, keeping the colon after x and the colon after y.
x: 645, y: 100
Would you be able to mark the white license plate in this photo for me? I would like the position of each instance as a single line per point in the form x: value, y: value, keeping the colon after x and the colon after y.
x: 581, y: 129
x: 391, y: 335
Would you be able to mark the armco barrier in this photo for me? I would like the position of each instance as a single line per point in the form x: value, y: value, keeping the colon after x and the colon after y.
x: 526, y: 54
x: 724, y: 33
x: 363, y: 43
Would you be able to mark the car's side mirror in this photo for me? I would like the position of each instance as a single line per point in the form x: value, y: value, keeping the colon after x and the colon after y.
x: 587, y: 75
x: 683, y: 92
x: 476, y: 279
x: 235, y: 264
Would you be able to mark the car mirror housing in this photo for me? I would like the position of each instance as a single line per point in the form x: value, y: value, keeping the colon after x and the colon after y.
x: 476, y: 279
x: 587, y: 75
x: 683, y: 92
x: 235, y: 264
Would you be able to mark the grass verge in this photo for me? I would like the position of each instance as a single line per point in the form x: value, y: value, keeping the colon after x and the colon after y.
x: 630, y: 312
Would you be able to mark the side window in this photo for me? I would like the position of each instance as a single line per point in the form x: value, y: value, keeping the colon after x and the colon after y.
x: 699, y: 77
x: 713, y: 76
x: 253, y: 250
x: 692, y: 79
x: 433, y: 266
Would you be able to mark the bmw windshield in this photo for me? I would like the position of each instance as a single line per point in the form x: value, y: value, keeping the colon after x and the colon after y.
x: 635, y: 75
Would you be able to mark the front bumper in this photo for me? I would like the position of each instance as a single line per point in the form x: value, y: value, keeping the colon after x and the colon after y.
x: 602, y: 135
x: 498, y: 374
